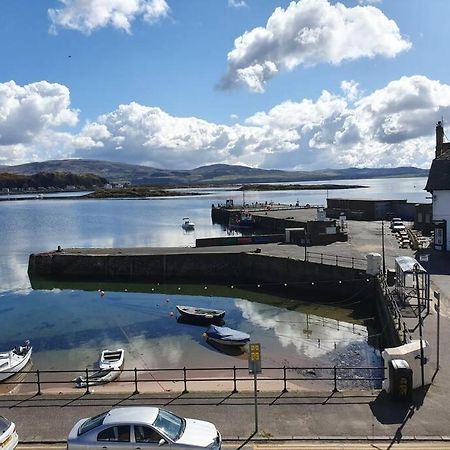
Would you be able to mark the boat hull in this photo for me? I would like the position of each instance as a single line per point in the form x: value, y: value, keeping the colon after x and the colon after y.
x: 228, y: 343
x: 8, y: 373
x: 202, y: 314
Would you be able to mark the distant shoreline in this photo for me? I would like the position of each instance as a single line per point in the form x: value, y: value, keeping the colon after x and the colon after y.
x: 142, y: 192
x: 298, y: 187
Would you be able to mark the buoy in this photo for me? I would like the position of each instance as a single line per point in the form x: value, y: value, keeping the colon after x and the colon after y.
x: 171, y: 313
x: 102, y: 293
x: 167, y: 300
x: 126, y: 290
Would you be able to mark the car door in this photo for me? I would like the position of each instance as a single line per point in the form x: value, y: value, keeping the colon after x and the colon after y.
x: 116, y: 437
x: 146, y: 437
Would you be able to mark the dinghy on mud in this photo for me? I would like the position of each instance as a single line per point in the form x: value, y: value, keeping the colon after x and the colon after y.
x: 110, y: 367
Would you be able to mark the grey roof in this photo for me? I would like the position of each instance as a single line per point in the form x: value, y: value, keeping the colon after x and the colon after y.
x: 407, y: 264
x: 439, y: 176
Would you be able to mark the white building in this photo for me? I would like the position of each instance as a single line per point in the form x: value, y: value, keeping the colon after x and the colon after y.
x: 439, y: 185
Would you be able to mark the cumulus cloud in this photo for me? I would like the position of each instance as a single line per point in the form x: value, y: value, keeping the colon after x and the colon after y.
x: 307, y: 33
x: 88, y: 15
x: 28, y: 114
x: 391, y: 126
x: 237, y: 3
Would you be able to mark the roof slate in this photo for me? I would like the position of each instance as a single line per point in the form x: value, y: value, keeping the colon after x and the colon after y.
x: 439, y: 176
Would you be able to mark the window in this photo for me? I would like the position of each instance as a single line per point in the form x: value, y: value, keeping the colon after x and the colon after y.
x: 92, y: 423
x: 120, y: 433
x: 146, y: 434
x: 169, y: 424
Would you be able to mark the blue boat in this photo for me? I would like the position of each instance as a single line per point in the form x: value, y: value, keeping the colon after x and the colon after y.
x: 226, y: 336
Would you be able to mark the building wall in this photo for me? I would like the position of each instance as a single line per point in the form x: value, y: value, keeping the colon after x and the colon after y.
x: 441, y: 210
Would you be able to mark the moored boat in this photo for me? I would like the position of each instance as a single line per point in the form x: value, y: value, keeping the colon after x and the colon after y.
x: 187, y: 224
x: 112, y: 359
x: 14, y: 360
x: 203, y: 314
x: 226, y: 336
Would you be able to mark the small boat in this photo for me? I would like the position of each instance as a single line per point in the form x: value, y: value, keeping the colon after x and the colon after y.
x: 15, y: 360
x: 187, y: 224
x: 203, y: 314
x: 226, y: 336
x: 99, y: 377
x: 112, y: 359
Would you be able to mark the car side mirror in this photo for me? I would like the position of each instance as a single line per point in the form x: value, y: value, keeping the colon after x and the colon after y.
x: 162, y: 442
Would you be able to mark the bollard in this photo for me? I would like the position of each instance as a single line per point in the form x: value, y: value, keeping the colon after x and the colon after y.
x: 87, y: 382
x: 38, y: 382
x: 135, y: 382
x: 336, y: 259
x: 284, y: 380
x: 234, y: 381
x: 318, y: 343
x: 185, y: 381
x: 321, y: 258
x: 353, y: 266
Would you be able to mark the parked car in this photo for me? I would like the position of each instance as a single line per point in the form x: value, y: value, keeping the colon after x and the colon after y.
x: 8, y: 434
x: 131, y: 427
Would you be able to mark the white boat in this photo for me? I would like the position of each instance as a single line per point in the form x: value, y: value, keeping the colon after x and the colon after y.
x: 110, y: 367
x: 98, y: 377
x: 187, y: 224
x: 112, y: 359
x: 15, y: 360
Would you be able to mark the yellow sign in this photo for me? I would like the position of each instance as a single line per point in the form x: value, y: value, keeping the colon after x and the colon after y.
x: 255, y: 352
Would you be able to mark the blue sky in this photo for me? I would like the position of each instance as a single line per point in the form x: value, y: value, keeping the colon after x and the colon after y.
x: 310, y: 84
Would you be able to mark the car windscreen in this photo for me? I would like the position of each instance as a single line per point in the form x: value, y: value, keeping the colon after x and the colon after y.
x: 92, y: 423
x: 4, y: 424
x: 169, y: 424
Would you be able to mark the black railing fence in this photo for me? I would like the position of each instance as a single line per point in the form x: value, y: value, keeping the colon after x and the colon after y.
x: 336, y: 260
x: 334, y: 377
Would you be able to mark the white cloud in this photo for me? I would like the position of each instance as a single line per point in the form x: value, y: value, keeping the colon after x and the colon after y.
x: 88, y: 15
x: 392, y: 126
x: 306, y: 33
x: 28, y: 114
x: 237, y: 3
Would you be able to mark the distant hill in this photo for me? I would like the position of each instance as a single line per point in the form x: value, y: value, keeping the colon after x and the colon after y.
x: 57, y: 180
x: 212, y: 174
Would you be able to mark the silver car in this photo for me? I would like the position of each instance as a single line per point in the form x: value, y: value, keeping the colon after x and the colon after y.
x: 8, y: 435
x: 141, y: 427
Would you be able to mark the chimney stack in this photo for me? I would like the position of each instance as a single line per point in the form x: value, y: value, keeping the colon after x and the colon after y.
x: 439, y: 139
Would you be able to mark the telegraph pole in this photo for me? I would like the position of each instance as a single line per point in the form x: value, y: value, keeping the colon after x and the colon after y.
x: 422, y: 369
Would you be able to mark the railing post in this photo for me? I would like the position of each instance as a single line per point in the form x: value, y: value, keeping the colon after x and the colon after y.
x: 185, y: 391
x: 38, y: 382
x: 284, y: 380
x: 335, y: 389
x: 353, y: 262
x: 234, y: 381
x: 135, y: 382
x: 87, y: 381
x: 321, y: 258
x: 336, y: 259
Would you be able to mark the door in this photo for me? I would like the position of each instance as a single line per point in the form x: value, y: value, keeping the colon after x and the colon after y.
x: 115, y: 438
x: 147, y: 437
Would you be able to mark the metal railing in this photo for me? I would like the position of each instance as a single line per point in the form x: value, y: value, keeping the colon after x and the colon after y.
x: 336, y: 260
x: 335, y: 377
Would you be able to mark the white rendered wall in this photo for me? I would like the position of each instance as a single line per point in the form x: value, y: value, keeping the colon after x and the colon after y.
x: 441, y: 210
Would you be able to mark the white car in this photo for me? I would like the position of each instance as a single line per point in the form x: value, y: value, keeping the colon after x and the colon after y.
x: 8, y: 435
x: 143, y: 427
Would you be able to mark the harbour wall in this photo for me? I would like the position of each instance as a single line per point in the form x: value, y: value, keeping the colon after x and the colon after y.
x: 282, y: 276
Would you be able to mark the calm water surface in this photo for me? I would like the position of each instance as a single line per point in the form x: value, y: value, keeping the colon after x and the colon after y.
x: 71, y: 325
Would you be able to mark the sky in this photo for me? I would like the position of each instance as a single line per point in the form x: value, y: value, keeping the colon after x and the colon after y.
x: 177, y: 84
